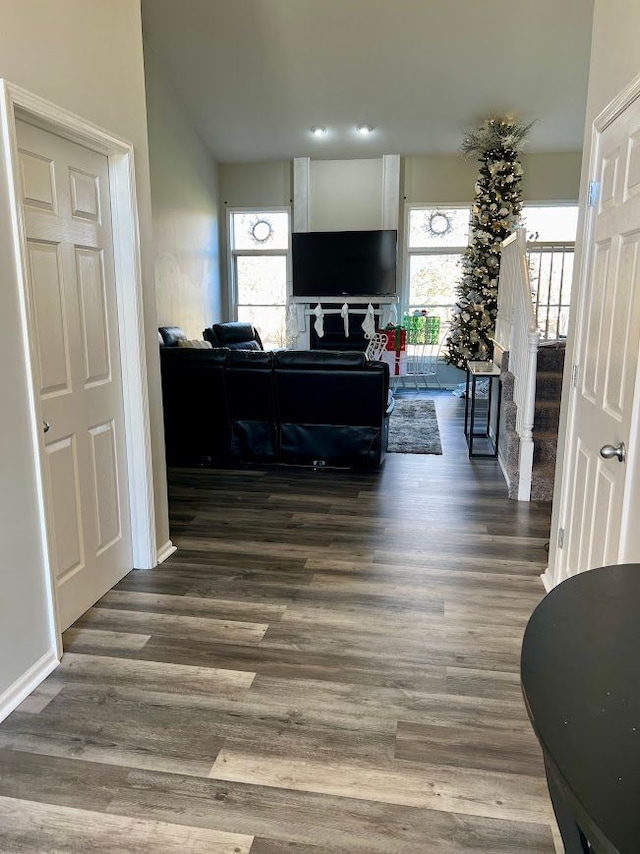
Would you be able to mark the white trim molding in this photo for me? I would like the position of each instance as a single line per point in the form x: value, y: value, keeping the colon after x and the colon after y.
x: 126, y: 243
x: 16, y: 103
x: 301, y: 193
x: 547, y: 579
x: 27, y: 683
x: 166, y: 551
x: 558, y: 569
x: 390, y: 190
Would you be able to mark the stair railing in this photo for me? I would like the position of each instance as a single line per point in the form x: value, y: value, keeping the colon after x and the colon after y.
x: 517, y: 332
x: 550, y: 271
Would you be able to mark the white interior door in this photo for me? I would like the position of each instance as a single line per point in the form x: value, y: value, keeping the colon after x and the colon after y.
x: 608, y: 353
x: 74, y: 335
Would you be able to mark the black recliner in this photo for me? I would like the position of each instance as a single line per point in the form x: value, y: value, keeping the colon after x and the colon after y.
x: 236, y: 335
x: 332, y: 407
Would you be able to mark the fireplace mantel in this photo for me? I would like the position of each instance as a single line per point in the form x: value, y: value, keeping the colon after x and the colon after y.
x: 382, y: 306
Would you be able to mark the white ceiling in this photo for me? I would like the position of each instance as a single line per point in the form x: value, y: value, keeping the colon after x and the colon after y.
x: 256, y: 75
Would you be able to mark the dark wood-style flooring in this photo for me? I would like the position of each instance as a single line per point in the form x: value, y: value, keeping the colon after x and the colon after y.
x: 328, y: 664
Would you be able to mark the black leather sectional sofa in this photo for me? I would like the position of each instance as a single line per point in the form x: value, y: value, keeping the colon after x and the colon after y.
x: 304, y: 407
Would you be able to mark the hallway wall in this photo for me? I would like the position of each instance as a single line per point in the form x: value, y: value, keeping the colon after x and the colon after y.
x: 184, y: 198
x: 86, y: 58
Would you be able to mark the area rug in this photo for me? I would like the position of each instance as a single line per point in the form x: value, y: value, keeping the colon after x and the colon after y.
x: 413, y: 428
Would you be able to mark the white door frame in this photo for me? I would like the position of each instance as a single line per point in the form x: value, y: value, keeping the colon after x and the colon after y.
x: 17, y: 103
x: 559, y: 571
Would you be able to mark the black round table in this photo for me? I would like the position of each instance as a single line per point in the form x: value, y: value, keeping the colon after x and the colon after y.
x: 580, y: 671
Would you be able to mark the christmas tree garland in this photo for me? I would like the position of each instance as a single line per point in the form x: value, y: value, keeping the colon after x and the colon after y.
x: 495, y: 214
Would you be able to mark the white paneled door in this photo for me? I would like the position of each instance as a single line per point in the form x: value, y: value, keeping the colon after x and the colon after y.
x: 608, y: 354
x: 75, y: 347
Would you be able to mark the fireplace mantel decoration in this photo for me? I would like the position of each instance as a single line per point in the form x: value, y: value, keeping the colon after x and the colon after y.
x: 375, y: 312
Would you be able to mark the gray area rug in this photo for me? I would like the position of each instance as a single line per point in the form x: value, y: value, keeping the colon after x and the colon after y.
x: 413, y: 428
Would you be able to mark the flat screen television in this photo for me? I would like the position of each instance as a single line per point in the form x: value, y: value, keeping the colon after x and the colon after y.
x: 344, y: 263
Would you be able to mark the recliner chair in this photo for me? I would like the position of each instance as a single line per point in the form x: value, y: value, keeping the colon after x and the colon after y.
x: 236, y: 335
x: 332, y: 407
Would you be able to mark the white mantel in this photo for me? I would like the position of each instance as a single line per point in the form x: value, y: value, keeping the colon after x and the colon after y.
x: 333, y: 305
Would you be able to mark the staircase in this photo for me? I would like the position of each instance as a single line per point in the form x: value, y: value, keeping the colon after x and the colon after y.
x: 508, y: 440
x: 550, y: 365
x: 545, y: 422
x: 531, y: 379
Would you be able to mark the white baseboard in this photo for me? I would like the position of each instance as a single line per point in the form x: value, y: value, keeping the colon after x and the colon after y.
x: 164, y: 551
x: 547, y: 580
x: 28, y: 682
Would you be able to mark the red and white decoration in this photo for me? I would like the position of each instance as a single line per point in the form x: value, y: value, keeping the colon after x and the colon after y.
x: 395, y: 354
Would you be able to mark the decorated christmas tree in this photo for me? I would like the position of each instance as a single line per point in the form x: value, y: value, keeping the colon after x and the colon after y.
x: 495, y: 214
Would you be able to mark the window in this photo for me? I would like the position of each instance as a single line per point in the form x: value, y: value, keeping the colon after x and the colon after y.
x: 259, y: 243
x: 549, y: 223
x: 551, y: 235
x: 436, y: 239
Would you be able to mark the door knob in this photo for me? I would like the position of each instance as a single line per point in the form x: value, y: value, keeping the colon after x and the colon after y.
x: 46, y: 426
x: 608, y: 452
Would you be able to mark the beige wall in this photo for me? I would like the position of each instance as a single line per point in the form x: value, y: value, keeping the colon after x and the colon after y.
x: 184, y: 196
x: 615, y: 62
x: 439, y: 179
x: 248, y: 185
x: 345, y: 195
x: 553, y: 177
x: 451, y: 179
x: 86, y: 57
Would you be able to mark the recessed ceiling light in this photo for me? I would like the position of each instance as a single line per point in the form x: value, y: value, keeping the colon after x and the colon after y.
x: 318, y: 131
x: 364, y: 130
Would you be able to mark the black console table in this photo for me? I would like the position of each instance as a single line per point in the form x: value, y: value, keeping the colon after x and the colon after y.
x: 580, y: 672
x: 491, y: 417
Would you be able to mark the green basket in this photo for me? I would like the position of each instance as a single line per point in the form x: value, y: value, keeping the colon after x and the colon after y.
x: 421, y: 329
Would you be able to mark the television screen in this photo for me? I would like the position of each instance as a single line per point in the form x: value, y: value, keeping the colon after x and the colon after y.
x: 344, y: 263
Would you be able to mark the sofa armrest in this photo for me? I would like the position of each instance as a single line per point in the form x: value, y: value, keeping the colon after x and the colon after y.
x: 171, y: 335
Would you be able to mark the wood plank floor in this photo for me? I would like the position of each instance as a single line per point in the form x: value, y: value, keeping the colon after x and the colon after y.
x: 328, y: 664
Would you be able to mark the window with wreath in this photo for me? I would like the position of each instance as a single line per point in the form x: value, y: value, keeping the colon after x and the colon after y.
x: 436, y: 239
x: 259, y: 242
